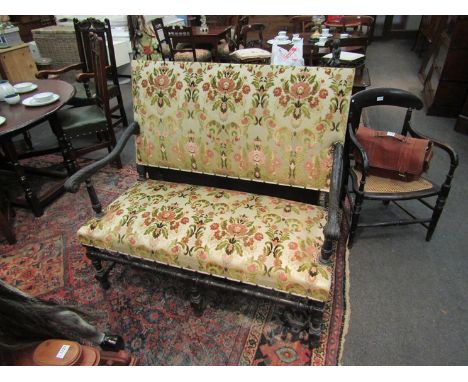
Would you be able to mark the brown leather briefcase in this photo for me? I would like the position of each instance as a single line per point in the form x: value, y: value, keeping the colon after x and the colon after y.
x: 393, y: 155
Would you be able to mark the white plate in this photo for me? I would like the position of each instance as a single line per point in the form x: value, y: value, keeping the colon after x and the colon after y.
x: 32, y: 102
x: 346, y: 56
x: 25, y: 90
x: 2, y: 119
x: 326, y: 35
x: 279, y: 42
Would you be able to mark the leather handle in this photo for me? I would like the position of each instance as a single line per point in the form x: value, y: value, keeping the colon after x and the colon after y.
x: 385, y: 134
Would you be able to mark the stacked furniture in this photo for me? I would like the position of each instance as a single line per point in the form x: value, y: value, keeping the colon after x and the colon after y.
x: 443, y: 72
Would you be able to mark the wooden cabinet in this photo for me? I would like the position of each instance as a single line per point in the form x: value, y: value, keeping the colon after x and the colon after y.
x: 444, y: 72
x: 17, y: 64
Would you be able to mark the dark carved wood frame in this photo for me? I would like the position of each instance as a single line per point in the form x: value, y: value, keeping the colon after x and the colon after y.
x: 310, y: 312
x: 404, y: 99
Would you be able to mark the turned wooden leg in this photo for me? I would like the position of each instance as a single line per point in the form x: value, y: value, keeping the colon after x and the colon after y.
x: 315, y: 328
x: 28, y: 140
x: 327, y: 251
x: 65, y: 145
x: 101, y: 273
x: 356, y: 212
x: 197, y: 300
x: 435, y: 216
x: 29, y: 194
x: 96, y: 204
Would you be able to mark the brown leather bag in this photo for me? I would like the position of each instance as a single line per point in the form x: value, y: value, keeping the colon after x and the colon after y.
x: 393, y: 155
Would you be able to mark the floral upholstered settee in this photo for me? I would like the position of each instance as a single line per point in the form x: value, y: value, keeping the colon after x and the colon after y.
x: 233, y: 161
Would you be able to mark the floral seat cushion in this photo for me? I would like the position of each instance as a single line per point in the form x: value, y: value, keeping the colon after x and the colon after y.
x: 252, y: 238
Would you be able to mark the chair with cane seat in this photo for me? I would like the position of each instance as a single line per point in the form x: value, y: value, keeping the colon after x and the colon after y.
x: 365, y: 186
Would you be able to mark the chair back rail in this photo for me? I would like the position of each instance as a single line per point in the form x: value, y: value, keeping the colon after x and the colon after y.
x: 103, y: 30
x: 252, y: 29
x: 98, y: 53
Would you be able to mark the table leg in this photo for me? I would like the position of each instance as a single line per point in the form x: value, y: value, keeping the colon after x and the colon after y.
x: 29, y: 194
x: 65, y: 145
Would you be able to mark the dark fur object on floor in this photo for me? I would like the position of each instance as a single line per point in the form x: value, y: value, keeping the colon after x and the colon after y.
x: 26, y: 320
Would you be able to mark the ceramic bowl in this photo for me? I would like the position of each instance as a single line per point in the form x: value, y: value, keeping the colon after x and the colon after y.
x: 12, y: 99
x: 23, y: 86
x: 43, y: 97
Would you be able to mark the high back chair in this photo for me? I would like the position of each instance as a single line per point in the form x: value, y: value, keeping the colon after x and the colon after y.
x: 171, y: 50
x: 301, y: 24
x: 251, y: 49
x: 372, y: 187
x: 255, y: 30
x: 96, y: 119
x: 84, y: 86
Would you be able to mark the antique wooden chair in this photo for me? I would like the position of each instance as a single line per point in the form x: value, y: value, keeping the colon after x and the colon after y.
x: 93, y: 119
x: 85, y: 87
x: 251, y: 49
x: 301, y: 24
x: 372, y: 187
x: 174, y: 51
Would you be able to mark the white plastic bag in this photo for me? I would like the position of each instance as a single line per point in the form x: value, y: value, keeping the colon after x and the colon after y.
x: 292, y: 57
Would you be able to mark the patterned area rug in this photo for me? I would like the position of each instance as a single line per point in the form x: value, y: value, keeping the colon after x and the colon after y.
x: 150, y: 311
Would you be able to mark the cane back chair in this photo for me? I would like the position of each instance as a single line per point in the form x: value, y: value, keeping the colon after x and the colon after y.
x: 371, y: 187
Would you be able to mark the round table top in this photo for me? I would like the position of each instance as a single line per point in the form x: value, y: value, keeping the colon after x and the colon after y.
x: 19, y: 117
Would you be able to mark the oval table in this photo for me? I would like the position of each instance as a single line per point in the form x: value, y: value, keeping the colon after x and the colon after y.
x: 20, y: 119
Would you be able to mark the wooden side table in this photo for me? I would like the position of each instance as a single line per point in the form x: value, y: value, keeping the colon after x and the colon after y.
x: 17, y: 64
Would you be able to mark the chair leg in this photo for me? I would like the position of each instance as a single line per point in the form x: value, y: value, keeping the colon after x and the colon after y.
x: 28, y: 140
x: 435, y: 216
x: 6, y: 227
x: 123, y: 114
x: 101, y: 274
x: 355, y: 219
x: 197, y: 300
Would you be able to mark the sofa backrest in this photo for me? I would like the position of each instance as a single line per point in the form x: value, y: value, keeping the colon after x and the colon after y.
x: 256, y: 122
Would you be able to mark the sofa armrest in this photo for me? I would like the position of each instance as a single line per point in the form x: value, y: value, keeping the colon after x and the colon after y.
x: 44, y: 74
x: 332, y: 228
x: 73, y: 183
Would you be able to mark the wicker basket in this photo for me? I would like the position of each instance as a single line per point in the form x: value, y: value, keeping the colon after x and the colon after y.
x: 57, y: 43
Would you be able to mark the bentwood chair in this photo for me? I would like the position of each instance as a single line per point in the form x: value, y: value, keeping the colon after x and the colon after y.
x: 85, y: 87
x: 367, y: 187
x: 92, y: 120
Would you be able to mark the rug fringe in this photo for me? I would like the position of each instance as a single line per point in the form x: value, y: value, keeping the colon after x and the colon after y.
x: 347, y: 315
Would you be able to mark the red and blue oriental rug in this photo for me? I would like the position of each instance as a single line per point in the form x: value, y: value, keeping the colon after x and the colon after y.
x: 150, y: 311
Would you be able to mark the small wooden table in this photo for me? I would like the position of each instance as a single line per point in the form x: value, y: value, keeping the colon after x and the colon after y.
x: 20, y: 118
x: 212, y: 37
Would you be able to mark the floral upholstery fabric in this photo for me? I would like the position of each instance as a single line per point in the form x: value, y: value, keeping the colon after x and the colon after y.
x: 203, y: 55
x: 256, y: 239
x: 257, y: 122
